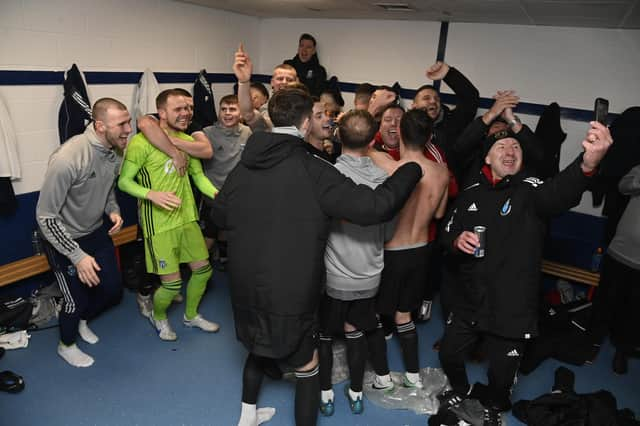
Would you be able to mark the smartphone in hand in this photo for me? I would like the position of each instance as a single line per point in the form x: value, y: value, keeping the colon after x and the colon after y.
x: 601, y: 110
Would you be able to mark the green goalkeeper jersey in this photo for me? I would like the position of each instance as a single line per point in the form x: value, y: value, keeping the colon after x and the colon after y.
x: 154, y: 170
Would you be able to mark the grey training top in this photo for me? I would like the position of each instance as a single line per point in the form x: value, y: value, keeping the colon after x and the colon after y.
x: 228, y: 144
x: 354, y: 256
x: 78, y: 190
x: 625, y: 246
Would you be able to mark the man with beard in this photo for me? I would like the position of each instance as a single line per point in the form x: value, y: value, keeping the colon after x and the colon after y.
x: 168, y: 216
x: 78, y: 190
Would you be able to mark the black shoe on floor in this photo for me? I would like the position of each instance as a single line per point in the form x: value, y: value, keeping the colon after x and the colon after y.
x: 492, y: 417
x: 449, y: 399
x: 620, y: 363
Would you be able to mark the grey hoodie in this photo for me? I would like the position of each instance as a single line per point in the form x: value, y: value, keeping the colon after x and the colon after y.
x: 354, y: 256
x: 78, y: 190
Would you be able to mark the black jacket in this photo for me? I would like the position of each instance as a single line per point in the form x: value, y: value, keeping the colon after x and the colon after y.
x: 501, y: 290
x: 450, y: 123
x: 310, y: 73
x: 469, y: 147
x: 75, y: 110
x: 276, y: 206
x: 204, y: 104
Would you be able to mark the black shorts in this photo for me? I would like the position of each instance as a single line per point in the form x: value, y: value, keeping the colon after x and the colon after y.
x: 334, y: 313
x: 403, y: 277
x: 303, y: 354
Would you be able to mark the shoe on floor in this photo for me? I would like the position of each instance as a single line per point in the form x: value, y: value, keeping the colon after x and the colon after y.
x: 165, y: 332
x: 201, y: 323
x: 408, y: 383
x: 74, y: 356
x: 492, y: 417
x: 450, y: 399
x: 11, y: 382
x: 356, y: 405
x: 381, y: 383
x: 620, y: 363
x: 327, y: 408
x: 145, y: 305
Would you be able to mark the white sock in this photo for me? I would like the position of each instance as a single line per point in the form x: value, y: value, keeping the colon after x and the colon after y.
x: 250, y: 416
x: 354, y: 395
x: 327, y: 395
x: 412, y: 377
x: 86, y: 333
x: 74, y: 356
x: 383, y: 380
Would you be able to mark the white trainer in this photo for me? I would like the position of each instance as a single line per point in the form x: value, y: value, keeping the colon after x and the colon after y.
x: 201, y: 323
x: 86, y: 333
x: 165, y: 332
x: 74, y: 356
x: 145, y: 304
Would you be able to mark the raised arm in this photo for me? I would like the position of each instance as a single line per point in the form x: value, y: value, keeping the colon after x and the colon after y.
x: 243, y: 68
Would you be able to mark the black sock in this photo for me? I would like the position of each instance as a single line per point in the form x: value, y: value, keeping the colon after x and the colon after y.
x: 251, y: 379
x: 356, y: 357
x: 271, y: 368
x: 325, y: 352
x: 378, y: 351
x: 222, y: 249
x: 307, y: 397
x: 409, y: 344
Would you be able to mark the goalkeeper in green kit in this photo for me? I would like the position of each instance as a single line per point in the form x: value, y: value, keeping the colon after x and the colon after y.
x: 168, y: 216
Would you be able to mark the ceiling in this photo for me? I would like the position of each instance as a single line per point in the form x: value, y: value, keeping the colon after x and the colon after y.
x: 570, y: 13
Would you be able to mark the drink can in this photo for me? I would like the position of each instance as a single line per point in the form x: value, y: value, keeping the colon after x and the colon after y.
x: 481, y: 232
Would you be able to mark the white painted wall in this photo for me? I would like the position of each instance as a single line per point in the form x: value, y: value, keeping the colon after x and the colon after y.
x: 114, y: 35
x: 569, y: 65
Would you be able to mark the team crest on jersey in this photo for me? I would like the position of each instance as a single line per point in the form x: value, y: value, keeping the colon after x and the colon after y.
x: 506, y: 208
x: 71, y: 270
x: 162, y: 264
x: 169, y: 167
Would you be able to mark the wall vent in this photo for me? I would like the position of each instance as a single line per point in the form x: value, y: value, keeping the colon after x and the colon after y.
x: 395, y: 7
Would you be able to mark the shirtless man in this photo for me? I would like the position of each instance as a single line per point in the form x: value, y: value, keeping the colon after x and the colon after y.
x: 405, y: 254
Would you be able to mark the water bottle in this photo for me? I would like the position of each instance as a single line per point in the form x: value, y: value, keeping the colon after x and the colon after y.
x: 596, y: 259
x: 36, y: 243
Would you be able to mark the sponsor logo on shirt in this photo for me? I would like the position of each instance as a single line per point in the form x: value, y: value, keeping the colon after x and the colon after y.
x: 169, y: 167
x: 472, y: 208
x: 513, y: 353
x: 162, y: 264
x: 506, y: 208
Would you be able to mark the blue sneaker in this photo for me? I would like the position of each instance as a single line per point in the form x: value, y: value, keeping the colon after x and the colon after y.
x: 357, y: 407
x: 327, y: 408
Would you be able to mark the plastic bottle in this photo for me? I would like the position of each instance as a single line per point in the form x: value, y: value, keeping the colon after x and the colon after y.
x: 596, y: 259
x: 36, y: 243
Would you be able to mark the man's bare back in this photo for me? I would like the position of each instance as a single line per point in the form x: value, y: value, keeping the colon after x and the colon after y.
x: 428, y: 200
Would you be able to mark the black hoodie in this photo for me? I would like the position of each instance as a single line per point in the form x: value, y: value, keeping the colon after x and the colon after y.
x: 276, y: 206
x: 310, y: 73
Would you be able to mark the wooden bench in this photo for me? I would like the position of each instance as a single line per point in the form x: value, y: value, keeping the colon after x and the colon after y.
x: 34, y: 265
x: 570, y: 273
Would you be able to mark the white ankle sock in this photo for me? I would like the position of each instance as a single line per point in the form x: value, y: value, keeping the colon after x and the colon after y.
x: 74, y: 356
x: 250, y: 416
x: 327, y: 395
x: 354, y: 395
x: 384, y: 380
x: 86, y: 334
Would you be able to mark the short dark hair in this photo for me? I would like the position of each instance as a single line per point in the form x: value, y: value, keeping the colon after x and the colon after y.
x: 356, y: 129
x: 161, y: 99
x: 229, y: 99
x: 392, y: 106
x: 183, y: 92
x: 289, y: 107
x: 260, y: 87
x: 415, y: 128
x: 101, y: 106
x: 424, y: 87
x: 309, y: 37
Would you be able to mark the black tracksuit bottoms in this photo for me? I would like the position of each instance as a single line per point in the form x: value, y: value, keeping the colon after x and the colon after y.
x: 503, y: 354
